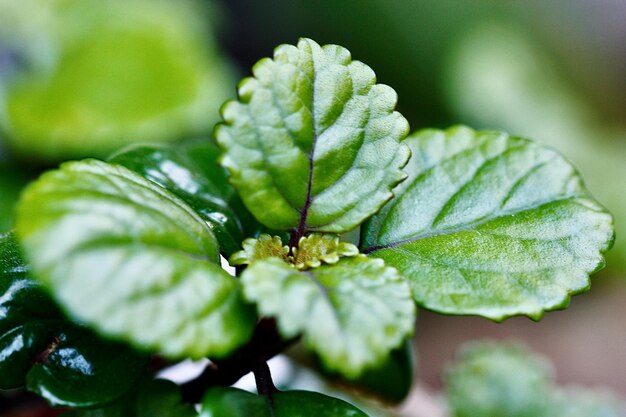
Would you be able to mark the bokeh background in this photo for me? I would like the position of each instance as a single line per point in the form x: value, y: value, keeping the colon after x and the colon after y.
x: 82, y: 78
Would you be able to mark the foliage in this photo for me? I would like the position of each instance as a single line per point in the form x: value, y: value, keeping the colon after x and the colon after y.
x: 473, y: 223
x: 492, y: 380
x: 93, y: 76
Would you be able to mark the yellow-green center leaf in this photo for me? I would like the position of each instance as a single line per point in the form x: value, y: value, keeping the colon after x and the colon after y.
x: 352, y: 313
x: 130, y: 259
x: 313, y: 142
x: 490, y: 224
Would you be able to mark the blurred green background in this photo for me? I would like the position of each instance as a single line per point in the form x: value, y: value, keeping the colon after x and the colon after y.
x: 82, y: 78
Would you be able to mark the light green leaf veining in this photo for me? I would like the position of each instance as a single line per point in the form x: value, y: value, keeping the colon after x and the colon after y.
x: 313, y: 143
x: 352, y: 313
x: 490, y: 224
x: 127, y: 257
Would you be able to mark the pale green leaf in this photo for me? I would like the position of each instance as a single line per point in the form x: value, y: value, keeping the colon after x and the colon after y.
x: 584, y: 402
x: 313, y: 142
x: 98, y: 75
x: 128, y: 258
x: 496, y: 380
x: 352, y: 313
x: 490, y: 224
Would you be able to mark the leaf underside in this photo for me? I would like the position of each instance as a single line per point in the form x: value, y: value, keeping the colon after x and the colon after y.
x: 490, y: 224
x: 352, y: 313
x: 313, y: 143
x: 127, y: 257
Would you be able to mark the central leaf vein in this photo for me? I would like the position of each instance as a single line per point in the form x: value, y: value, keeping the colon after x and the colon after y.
x: 469, y: 226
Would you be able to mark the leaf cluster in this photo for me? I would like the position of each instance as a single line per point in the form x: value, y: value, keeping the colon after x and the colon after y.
x: 456, y: 221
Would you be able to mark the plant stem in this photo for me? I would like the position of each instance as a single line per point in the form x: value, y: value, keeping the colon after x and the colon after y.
x: 264, y: 384
x: 263, y: 378
x: 266, y: 343
x: 294, y: 238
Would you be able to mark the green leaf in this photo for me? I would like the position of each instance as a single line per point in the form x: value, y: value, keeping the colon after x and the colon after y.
x: 390, y: 382
x: 12, y: 180
x: 106, y: 74
x: 313, y: 142
x: 265, y: 246
x: 63, y: 363
x: 495, y: 380
x: 582, y: 402
x: 191, y: 172
x: 78, y: 369
x: 490, y: 224
x: 315, y: 249
x: 230, y: 402
x: 393, y: 380
x: 352, y: 313
x: 154, y: 398
x: 125, y: 256
x: 312, y: 250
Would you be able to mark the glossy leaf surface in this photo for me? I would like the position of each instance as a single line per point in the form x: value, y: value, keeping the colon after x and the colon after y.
x: 230, y: 402
x: 490, y: 224
x: 191, y: 172
x: 492, y: 380
x: 130, y: 259
x: 313, y: 142
x: 352, y: 314
x: 56, y: 359
x: 154, y: 398
x: 78, y: 369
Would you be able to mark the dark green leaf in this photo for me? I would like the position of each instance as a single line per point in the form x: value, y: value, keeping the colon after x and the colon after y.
x: 154, y: 398
x: 496, y: 380
x: 230, y: 402
x: 63, y: 363
x: 490, y: 224
x: 192, y: 173
x: 78, y: 369
x: 12, y: 179
x: 313, y: 142
x: 389, y: 382
x: 352, y: 313
x: 130, y: 259
x: 392, y: 380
